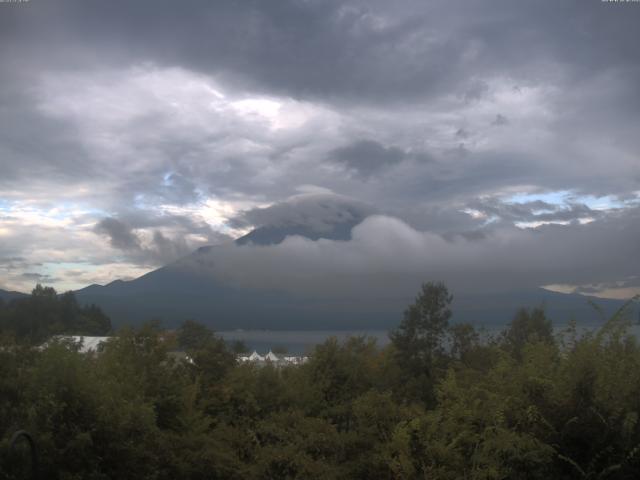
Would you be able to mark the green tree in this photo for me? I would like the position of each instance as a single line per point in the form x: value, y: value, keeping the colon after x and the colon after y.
x: 213, y: 359
x: 418, y: 341
x: 238, y: 347
x: 45, y: 313
x: 193, y: 335
x: 464, y: 340
x: 527, y: 326
x: 340, y: 372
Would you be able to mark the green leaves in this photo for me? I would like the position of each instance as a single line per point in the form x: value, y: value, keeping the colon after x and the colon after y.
x: 34, y: 319
x: 439, y: 402
x: 419, y: 340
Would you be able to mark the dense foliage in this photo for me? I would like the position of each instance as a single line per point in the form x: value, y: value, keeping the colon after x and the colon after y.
x: 44, y: 313
x: 439, y: 402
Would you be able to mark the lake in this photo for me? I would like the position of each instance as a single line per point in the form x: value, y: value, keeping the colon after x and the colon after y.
x: 299, y: 342
x: 296, y: 342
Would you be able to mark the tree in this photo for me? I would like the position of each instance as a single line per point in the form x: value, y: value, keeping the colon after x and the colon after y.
x: 93, y: 321
x: 238, y: 347
x: 35, y: 318
x: 528, y: 326
x: 419, y: 338
x: 44, y: 292
x: 464, y: 339
x: 213, y: 359
x: 193, y: 335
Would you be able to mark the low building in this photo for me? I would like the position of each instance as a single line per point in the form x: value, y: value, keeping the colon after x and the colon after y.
x: 84, y: 344
x: 272, y: 359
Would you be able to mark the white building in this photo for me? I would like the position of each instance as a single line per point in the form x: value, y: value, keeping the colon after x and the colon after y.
x: 85, y: 344
x: 272, y: 359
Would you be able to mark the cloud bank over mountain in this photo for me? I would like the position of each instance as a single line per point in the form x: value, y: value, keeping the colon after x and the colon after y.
x: 386, y: 256
x: 496, y: 141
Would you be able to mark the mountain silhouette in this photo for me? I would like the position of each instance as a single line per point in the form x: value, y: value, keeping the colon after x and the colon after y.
x: 195, y: 287
x: 7, y: 295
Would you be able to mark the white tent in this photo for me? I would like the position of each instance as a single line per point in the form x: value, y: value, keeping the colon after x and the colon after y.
x: 272, y: 357
x: 256, y: 357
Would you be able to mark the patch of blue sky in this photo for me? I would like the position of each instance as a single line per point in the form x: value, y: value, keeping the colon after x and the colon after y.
x: 69, y: 211
x: 95, y: 211
x: 61, y: 211
x: 140, y: 201
x: 63, y: 274
x: 167, y: 180
x: 564, y: 197
x: 558, y: 197
x: 607, y: 202
x: 543, y: 211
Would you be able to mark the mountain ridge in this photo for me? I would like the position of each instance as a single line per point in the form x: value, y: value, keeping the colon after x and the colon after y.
x: 173, y: 294
x: 8, y: 295
x: 265, y: 280
x: 242, y: 285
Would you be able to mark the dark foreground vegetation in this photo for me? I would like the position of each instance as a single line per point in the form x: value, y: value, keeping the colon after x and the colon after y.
x: 34, y: 319
x: 439, y: 402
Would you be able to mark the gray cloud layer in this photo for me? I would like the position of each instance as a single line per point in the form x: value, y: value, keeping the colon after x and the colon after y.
x: 134, y: 133
x: 388, y: 257
x: 340, y: 49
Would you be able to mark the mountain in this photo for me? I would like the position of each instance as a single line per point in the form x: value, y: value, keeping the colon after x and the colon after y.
x: 177, y: 292
x: 282, y: 276
x: 173, y: 294
x: 312, y: 216
x: 10, y: 295
x: 189, y: 288
x: 499, y: 308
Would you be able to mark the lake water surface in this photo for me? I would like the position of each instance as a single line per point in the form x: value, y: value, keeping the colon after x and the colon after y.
x: 299, y: 342
x: 296, y: 342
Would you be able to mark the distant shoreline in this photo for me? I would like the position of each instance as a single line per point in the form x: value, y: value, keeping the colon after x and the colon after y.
x: 302, y: 341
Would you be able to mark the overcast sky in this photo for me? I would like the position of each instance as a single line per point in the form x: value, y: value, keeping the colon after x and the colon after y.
x: 489, y: 139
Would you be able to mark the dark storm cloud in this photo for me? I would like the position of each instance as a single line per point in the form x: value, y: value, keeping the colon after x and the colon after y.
x: 367, y: 156
x: 35, y: 147
x: 167, y: 248
x: 500, y: 120
x: 143, y: 219
x: 340, y: 49
x: 159, y: 249
x: 476, y: 90
x: 35, y: 277
x: 335, y: 52
x: 120, y: 234
x: 13, y: 262
x: 462, y: 133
